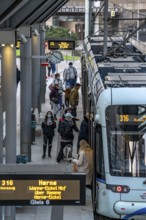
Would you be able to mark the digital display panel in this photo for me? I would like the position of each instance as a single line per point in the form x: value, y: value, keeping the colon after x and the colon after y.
x: 38, y: 190
x: 130, y: 119
x: 61, y: 45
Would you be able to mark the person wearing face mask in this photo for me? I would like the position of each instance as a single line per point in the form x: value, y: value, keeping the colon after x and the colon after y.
x: 48, y: 127
x: 58, y: 80
x: 66, y: 133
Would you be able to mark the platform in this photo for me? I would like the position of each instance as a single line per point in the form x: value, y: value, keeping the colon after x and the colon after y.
x: 53, y: 212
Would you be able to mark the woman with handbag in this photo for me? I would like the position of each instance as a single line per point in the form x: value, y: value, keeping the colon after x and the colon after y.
x: 48, y: 127
x: 54, y: 98
x: 85, y: 162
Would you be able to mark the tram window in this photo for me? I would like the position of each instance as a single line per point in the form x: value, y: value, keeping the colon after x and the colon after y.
x: 100, y: 170
x: 126, y: 137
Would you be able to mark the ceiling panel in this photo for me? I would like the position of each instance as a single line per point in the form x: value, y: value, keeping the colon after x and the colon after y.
x: 14, y: 13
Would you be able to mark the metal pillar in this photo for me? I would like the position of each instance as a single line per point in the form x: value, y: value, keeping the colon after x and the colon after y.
x: 35, y: 72
x: 9, y: 95
x: 43, y: 69
x: 105, y: 26
x: 87, y: 17
x: 26, y: 99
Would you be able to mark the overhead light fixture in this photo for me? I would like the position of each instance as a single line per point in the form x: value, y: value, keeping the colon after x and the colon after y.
x: 35, y: 33
x: 43, y: 29
x: 23, y: 38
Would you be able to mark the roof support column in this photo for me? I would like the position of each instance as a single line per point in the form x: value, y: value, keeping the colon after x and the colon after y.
x: 43, y: 69
x: 7, y: 38
x: 26, y: 97
x: 105, y: 26
x: 35, y: 71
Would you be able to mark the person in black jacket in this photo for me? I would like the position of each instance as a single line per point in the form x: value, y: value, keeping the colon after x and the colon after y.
x: 54, y: 98
x: 84, y: 131
x: 74, y: 125
x: 48, y: 127
x: 66, y: 133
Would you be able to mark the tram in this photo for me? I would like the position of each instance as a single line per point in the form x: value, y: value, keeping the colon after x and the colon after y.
x: 114, y: 91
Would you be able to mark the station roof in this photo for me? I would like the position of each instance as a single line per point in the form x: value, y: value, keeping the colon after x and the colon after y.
x: 16, y: 13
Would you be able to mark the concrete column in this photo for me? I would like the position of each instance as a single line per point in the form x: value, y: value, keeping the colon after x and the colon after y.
x: 9, y: 95
x: 26, y: 99
x: 42, y: 70
x: 105, y: 26
x: 35, y: 72
x: 87, y: 17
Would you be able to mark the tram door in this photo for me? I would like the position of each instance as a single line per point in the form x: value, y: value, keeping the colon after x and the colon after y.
x: 99, y: 169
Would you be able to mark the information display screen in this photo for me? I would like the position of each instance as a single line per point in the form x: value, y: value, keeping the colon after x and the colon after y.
x: 37, y: 190
x: 131, y: 119
x: 61, y: 45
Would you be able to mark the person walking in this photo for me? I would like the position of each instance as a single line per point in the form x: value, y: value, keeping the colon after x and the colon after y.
x: 85, y: 162
x: 48, y: 127
x: 66, y: 96
x: 70, y: 75
x: 66, y: 133
x: 58, y: 81
x: 54, y: 98
x: 74, y: 98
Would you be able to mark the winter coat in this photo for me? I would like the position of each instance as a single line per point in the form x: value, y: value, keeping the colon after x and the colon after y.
x: 85, y: 164
x: 66, y: 130
x: 48, y: 130
x: 74, y: 97
x: 54, y: 95
x: 83, y: 134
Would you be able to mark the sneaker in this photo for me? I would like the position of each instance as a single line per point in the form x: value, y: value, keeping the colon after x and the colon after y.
x: 43, y: 156
x: 49, y: 155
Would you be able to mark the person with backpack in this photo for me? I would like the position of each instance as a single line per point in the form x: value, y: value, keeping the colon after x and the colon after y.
x: 66, y: 133
x: 54, y: 98
x: 70, y: 75
x: 48, y: 127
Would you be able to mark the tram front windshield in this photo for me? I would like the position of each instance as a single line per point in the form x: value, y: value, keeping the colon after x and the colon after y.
x: 126, y: 137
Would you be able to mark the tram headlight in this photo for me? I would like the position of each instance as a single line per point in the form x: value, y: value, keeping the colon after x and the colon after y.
x: 119, y: 189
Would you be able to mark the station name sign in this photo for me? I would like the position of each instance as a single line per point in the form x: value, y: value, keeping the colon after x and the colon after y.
x: 42, y: 190
x: 61, y: 44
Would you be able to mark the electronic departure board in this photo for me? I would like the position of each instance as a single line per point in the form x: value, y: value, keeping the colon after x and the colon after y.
x: 131, y: 119
x: 40, y: 190
x: 61, y: 44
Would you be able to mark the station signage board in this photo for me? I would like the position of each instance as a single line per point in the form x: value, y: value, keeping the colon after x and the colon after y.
x: 42, y: 190
x: 61, y: 44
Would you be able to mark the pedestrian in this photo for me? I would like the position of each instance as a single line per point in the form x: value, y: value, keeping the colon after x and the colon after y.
x: 58, y: 80
x: 72, y: 122
x: 48, y: 127
x: 70, y: 75
x: 74, y: 98
x: 67, y: 95
x: 33, y: 126
x: 53, y: 68
x: 84, y: 129
x: 85, y: 162
x: 54, y: 98
x: 66, y: 133
x: 49, y: 69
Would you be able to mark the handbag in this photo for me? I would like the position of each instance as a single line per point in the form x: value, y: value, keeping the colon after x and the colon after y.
x: 74, y: 167
x: 55, y: 100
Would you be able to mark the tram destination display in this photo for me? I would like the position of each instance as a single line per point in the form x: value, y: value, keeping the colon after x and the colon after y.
x: 38, y: 190
x: 61, y: 44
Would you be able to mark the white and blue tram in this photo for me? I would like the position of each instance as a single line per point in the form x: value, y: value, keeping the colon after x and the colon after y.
x: 116, y: 95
